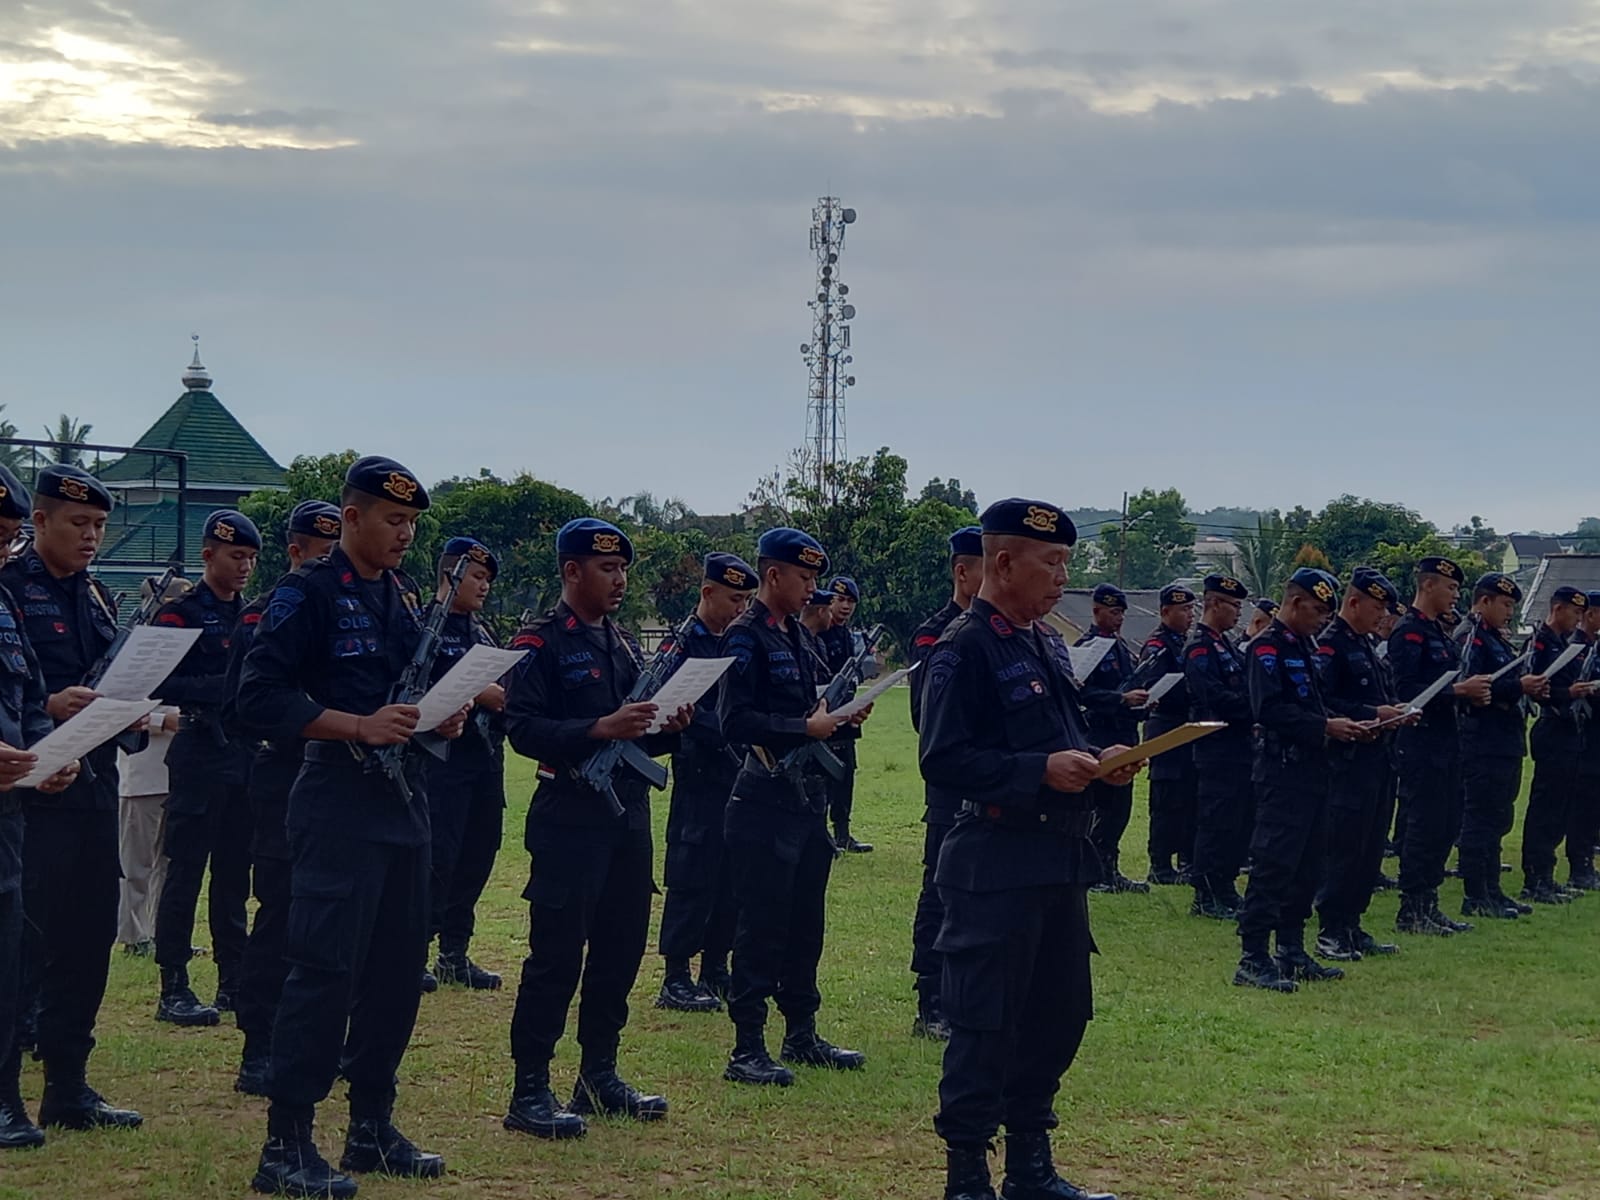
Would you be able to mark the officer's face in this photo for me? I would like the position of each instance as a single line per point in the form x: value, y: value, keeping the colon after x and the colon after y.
x: 597, y: 584
x: 304, y: 549
x: 968, y: 572
x: 1364, y: 614
x: 1304, y: 614
x: 1591, y: 620
x: 69, y: 537
x: 1178, y: 617
x: 474, y: 589
x: 1439, y: 593
x: 228, y: 568
x: 1223, y: 612
x: 1258, y: 621
x: 843, y: 609
x: 9, y: 528
x: 1108, y: 618
x: 720, y: 605
x: 1497, y: 611
x: 1564, y: 618
x: 1034, y: 573
x: 789, y: 586
x: 379, y: 534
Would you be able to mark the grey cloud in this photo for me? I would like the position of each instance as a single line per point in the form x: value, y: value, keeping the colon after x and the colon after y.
x: 272, y: 118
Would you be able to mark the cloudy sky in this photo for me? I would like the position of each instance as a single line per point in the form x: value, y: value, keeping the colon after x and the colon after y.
x: 1266, y: 251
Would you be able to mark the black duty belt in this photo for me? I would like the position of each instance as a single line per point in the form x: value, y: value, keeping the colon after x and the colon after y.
x: 333, y: 753
x: 1062, y: 821
x: 198, y: 720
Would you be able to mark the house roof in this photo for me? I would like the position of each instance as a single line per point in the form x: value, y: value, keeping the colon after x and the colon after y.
x: 1534, y: 545
x: 1074, y: 614
x: 1558, y: 570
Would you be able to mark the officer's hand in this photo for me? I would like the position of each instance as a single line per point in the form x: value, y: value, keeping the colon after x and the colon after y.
x: 1343, y: 729
x: 1070, y: 770
x: 455, y: 724
x: 860, y: 718
x: 1581, y: 690
x: 1475, y: 689
x: 389, y: 726
x: 14, y: 765
x: 1137, y: 698
x: 69, y: 702
x: 1123, y: 774
x: 627, y: 723
x: 1536, y: 685
x: 821, y: 723
x: 679, y: 721
x: 1398, y: 712
x: 142, y: 725
x: 61, y: 780
x: 493, y: 698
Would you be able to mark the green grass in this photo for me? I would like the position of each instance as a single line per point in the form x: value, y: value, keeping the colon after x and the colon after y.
x: 1467, y: 1068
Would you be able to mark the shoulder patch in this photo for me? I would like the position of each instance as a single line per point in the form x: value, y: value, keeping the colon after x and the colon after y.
x: 941, y: 670
x: 285, y: 602
x: 1198, y: 651
x: 1000, y: 625
x: 170, y: 618
x: 926, y: 639
x: 1413, y: 636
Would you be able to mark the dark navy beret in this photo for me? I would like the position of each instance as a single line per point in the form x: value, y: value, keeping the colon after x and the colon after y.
x: 843, y: 585
x: 820, y: 598
x: 1226, y: 584
x: 1031, y: 519
x: 1594, y: 600
x: 1321, y: 585
x: 1374, y: 583
x: 1497, y: 583
x: 1267, y: 605
x: 793, y: 546
x: 473, y: 551
x: 387, y: 480
x: 232, y: 528
x: 14, y: 499
x: 731, y: 571
x: 1109, y: 595
x: 316, y: 518
x: 1438, y: 565
x: 589, y: 537
x: 64, y: 482
x: 1570, y: 595
x: 967, y: 540
x: 1176, y: 593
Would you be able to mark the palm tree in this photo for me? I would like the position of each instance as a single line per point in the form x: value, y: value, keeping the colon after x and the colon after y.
x: 1265, y: 554
x: 11, y: 457
x: 70, y: 433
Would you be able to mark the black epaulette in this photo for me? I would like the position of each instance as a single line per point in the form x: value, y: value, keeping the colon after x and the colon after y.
x: 103, y: 596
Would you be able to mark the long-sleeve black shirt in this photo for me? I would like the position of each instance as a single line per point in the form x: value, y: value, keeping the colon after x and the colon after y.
x: 1419, y: 652
x: 1284, y: 694
x: 1215, y: 677
x: 1111, y: 721
x: 1497, y: 729
x: 767, y: 694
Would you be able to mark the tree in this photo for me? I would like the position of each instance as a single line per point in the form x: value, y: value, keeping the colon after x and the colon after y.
x: 1348, y: 530
x: 1156, y: 548
x: 11, y: 457
x: 1309, y: 556
x: 309, y: 477
x: 951, y: 493
x: 1588, y: 535
x: 1399, y: 564
x: 1265, y: 554
x: 70, y: 433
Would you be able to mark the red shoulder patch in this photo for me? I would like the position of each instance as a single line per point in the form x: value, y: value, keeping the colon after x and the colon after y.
x: 252, y: 618
x: 524, y: 641
x: 171, y: 618
x: 1197, y: 651
x: 926, y: 639
x: 1415, y: 637
x: 1266, y: 650
x: 1328, y: 650
x: 572, y: 622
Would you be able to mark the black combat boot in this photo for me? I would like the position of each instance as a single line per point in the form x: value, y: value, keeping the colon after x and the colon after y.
x: 179, y: 1005
x: 70, y: 1103
x: 930, y: 1022
x: 1031, y: 1175
x: 845, y: 843
x: 1505, y: 901
x: 1209, y: 904
x: 804, y: 1046
x: 966, y: 1173
x: 1414, y: 917
x: 1338, y: 945
x: 254, y: 1064
x: 600, y: 1090
x: 1542, y: 889
x: 1480, y: 898
x: 429, y: 983
x: 1257, y: 969
x: 535, y: 1109
x: 1436, y: 915
x: 1295, y: 963
x: 17, y: 1131
x: 1113, y: 880
x: 1369, y: 945
x: 750, y: 1062
x: 227, y: 988
x: 453, y: 966
x: 291, y: 1164
x: 679, y: 992
x: 374, y: 1146
x: 1582, y: 877
x: 715, y: 979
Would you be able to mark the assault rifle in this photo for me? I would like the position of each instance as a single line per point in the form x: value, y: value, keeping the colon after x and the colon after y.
x: 600, y: 768
x: 835, y: 695
x: 132, y: 742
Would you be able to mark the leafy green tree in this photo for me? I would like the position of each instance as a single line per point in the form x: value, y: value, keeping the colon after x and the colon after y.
x: 1348, y: 529
x: 1399, y: 563
x: 70, y: 433
x: 1588, y: 535
x: 309, y: 477
x: 951, y: 493
x: 12, y: 457
x: 1265, y: 554
x: 1154, y: 549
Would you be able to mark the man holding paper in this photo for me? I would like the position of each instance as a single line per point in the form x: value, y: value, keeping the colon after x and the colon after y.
x: 1557, y: 744
x: 1114, y: 710
x: 1003, y: 729
x: 467, y: 790
x: 1583, y: 816
x: 1173, y: 780
x: 71, y: 868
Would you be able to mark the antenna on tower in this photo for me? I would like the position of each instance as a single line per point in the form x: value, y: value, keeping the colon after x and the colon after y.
x: 828, y: 351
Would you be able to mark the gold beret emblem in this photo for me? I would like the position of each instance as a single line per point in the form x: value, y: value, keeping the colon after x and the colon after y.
x: 810, y: 557
x: 1376, y: 591
x: 74, y: 489
x: 1041, y: 518
x: 1505, y: 585
x: 1323, y: 591
x: 222, y: 531
x: 608, y: 543
x: 326, y: 526
x: 733, y: 577
x: 478, y: 554
x: 401, y: 487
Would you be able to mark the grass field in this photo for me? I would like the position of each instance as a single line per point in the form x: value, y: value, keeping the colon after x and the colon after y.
x: 1467, y: 1068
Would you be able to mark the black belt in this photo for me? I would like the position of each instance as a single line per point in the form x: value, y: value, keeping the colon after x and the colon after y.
x: 1067, y: 822
x: 333, y: 753
x: 196, y: 720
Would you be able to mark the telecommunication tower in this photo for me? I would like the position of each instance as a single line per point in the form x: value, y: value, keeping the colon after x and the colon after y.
x: 827, y: 354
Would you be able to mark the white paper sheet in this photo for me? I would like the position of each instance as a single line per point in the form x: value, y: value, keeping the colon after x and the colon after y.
x: 686, y: 685
x: 852, y: 707
x: 1562, y: 659
x: 146, y: 659
x: 1420, y: 701
x: 478, y: 668
x: 1086, y: 658
x: 100, y: 721
x: 1162, y: 686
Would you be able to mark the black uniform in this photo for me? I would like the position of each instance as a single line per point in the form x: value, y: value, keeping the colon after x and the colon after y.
x: 1429, y: 757
x: 71, y: 869
x: 23, y: 721
x: 1214, y: 673
x: 357, y: 929
x: 208, y: 817
x: 698, y: 914
x: 1291, y: 777
x: 1355, y: 683
x: 1111, y: 723
x: 1557, y: 744
x: 590, y: 881
x: 775, y: 828
x: 938, y: 815
x: 1014, y: 874
x: 1583, y: 818
x: 1173, y: 779
x: 466, y: 801
x: 273, y: 767
x: 839, y: 647
x: 1493, y: 743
